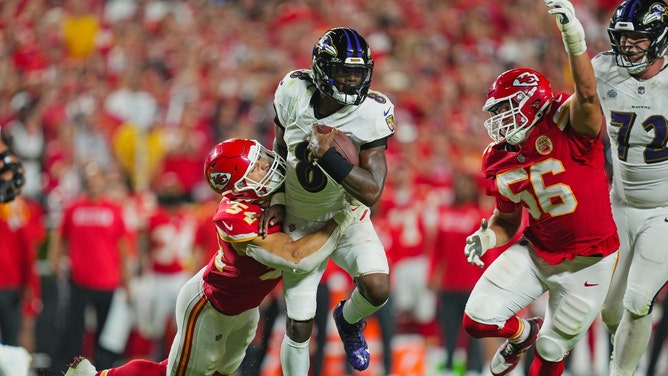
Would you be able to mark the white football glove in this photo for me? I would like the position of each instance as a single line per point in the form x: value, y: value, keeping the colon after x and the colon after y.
x: 572, y: 31
x: 478, y: 243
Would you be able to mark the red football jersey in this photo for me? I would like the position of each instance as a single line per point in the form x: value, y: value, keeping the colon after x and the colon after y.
x: 172, y: 239
x: 558, y: 176
x: 455, y: 224
x: 93, y: 229
x: 233, y: 282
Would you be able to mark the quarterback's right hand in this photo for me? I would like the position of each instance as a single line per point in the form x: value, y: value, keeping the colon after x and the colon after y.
x: 270, y: 217
x: 478, y: 243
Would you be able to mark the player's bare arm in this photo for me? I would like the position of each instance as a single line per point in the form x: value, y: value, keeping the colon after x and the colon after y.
x: 585, y: 112
x: 495, y: 232
x: 505, y: 225
x: 366, y: 182
x: 279, y: 251
x: 280, y: 244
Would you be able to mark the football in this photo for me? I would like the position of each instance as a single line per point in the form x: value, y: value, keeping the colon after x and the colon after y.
x: 343, y: 144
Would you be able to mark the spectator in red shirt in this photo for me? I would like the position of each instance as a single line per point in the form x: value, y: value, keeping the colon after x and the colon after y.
x: 21, y: 231
x: 93, y: 234
x: 450, y: 274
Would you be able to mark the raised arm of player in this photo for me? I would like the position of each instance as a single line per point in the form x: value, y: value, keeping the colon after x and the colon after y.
x: 585, y: 111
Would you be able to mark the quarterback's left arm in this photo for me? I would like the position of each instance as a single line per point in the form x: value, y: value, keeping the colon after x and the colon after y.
x: 585, y: 112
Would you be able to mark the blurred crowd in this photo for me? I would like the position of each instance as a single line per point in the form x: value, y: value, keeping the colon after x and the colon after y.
x: 143, y: 88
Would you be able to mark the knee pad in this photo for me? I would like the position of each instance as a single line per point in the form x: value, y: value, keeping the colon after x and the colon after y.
x: 572, y: 315
x: 638, y: 300
x: 611, y: 316
x: 551, y: 349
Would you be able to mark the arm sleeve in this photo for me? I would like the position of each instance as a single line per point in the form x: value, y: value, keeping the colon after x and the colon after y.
x: 306, y: 265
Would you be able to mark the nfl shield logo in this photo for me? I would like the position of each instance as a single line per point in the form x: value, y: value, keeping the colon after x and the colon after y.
x: 641, y: 90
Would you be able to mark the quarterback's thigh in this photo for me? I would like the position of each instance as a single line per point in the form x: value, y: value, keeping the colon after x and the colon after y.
x: 360, y: 251
x: 300, y: 292
x: 509, y: 284
x: 649, y: 267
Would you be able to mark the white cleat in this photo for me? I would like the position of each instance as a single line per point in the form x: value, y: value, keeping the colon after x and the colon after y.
x: 81, y: 366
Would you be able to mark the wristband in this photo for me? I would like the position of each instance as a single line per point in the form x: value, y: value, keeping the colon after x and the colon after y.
x: 335, y: 165
x: 574, y: 44
x: 277, y: 198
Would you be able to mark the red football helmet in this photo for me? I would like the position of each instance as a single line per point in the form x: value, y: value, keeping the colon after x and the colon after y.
x: 228, y: 164
x: 516, y: 100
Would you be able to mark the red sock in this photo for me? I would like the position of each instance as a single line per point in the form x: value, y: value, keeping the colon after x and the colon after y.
x: 137, y: 367
x: 541, y: 367
x: 477, y: 330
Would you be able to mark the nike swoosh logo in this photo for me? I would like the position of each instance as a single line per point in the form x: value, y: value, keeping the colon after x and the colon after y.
x: 228, y: 227
x: 386, y: 112
x: 588, y: 284
x: 354, y: 208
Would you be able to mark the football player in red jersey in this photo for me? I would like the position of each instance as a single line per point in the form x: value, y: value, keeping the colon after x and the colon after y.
x: 547, y: 158
x: 217, y: 310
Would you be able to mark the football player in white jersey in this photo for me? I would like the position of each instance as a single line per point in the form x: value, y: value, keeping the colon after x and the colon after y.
x: 320, y: 181
x: 632, y: 85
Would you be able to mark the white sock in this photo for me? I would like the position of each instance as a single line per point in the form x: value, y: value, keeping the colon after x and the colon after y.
x: 295, y: 357
x: 357, y: 307
x: 631, y: 341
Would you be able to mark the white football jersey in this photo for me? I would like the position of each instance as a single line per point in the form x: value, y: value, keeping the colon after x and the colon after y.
x: 636, y: 114
x: 312, y: 194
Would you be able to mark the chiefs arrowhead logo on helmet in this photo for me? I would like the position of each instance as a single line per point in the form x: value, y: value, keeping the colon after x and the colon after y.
x: 526, y: 79
x: 219, y: 180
